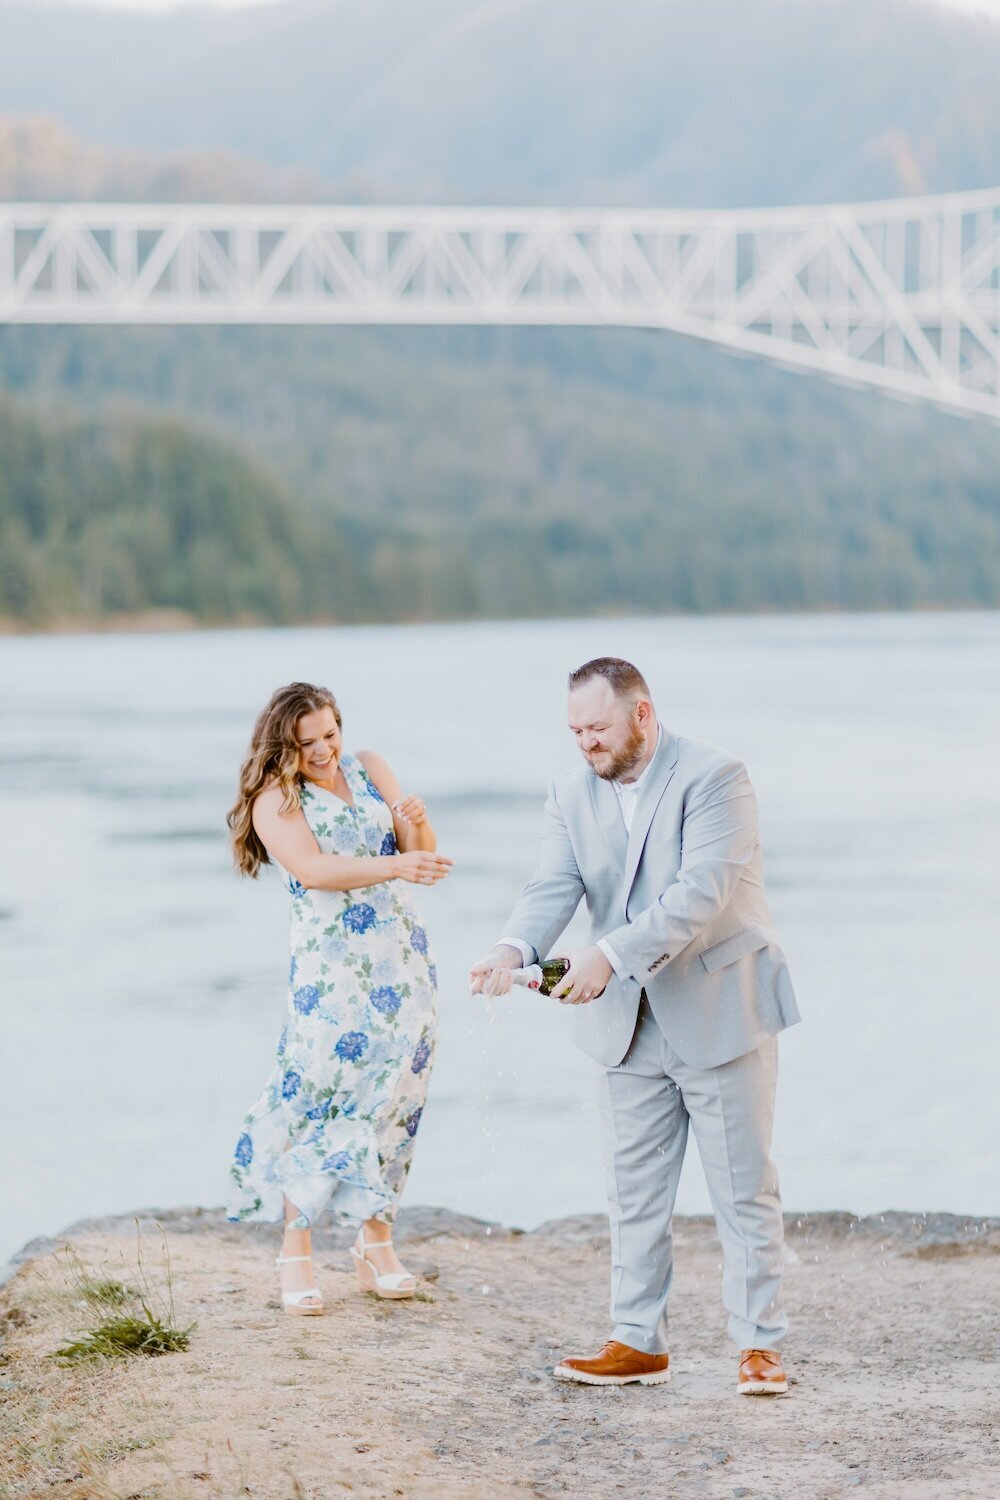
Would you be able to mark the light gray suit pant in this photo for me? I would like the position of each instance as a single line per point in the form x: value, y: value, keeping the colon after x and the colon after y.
x: 645, y: 1105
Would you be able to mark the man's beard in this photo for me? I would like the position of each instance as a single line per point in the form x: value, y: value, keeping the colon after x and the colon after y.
x: 626, y: 758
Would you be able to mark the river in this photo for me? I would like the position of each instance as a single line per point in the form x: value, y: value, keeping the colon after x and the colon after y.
x: 141, y: 982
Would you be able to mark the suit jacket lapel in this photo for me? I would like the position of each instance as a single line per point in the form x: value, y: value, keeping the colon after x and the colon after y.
x: 608, y: 812
x: 660, y: 772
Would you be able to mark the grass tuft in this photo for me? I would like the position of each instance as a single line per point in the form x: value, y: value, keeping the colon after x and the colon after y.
x: 106, y: 1293
x: 123, y: 1320
x: 135, y: 1333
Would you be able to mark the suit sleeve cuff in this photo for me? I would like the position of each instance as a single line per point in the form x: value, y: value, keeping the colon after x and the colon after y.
x: 526, y: 951
x: 612, y: 958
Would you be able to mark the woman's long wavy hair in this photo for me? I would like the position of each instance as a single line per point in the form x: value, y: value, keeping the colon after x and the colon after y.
x: 273, y: 759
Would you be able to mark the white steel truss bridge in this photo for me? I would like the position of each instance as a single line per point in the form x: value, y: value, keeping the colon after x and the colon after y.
x: 902, y: 295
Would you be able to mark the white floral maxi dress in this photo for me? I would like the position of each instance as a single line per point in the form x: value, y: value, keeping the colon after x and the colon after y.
x: 336, y: 1123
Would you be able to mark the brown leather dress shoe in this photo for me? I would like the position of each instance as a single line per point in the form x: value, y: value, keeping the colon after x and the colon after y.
x: 761, y: 1373
x: 616, y: 1364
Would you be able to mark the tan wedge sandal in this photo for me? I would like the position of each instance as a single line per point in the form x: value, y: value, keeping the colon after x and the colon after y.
x: 388, y: 1285
x: 292, y: 1301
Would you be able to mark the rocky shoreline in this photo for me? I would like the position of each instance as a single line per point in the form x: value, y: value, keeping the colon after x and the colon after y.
x: 925, y: 1235
x: 893, y: 1359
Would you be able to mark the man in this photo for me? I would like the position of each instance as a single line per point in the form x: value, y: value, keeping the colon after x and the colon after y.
x: 682, y: 994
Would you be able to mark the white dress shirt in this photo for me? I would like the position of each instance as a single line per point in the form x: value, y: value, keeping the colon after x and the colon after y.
x: 628, y: 793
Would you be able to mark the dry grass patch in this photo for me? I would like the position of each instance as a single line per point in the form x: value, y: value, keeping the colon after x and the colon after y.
x: 70, y: 1409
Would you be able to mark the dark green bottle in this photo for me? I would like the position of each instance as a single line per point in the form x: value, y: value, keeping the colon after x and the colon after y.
x: 553, y: 970
x: 542, y: 977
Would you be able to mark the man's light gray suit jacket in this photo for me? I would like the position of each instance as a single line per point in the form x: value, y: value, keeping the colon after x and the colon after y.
x: 680, y: 900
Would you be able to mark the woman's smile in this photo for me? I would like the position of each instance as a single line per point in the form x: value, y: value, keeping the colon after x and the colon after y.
x: 319, y: 745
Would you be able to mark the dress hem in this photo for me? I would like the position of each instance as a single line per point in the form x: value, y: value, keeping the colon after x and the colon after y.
x: 338, y: 1196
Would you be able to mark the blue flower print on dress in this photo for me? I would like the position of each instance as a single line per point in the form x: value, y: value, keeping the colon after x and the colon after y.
x: 351, y: 1046
x: 382, y: 902
x: 418, y: 940
x: 389, y: 845
x: 359, y: 918
x: 306, y: 999
x: 351, y: 1076
x: 333, y: 945
x: 387, y: 1000
x: 382, y: 1050
x: 320, y: 1111
x: 432, y: 974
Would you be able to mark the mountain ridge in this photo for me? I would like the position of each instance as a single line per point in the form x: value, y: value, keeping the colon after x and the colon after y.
x: 426, y: 465
x: 658, y: 102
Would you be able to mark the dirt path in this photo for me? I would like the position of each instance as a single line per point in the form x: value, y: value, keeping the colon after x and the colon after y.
x: 894, y: 1355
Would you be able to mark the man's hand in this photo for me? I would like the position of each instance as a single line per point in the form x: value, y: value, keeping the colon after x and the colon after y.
x: 491, y: 975
x: 586, y: 978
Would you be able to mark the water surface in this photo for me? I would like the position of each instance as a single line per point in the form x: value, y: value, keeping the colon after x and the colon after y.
x: 141, y: 982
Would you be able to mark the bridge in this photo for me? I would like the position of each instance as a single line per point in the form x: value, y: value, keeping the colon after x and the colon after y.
x: 902, y: 295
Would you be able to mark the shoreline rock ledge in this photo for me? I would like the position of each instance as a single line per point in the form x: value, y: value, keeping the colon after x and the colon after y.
x: 925, y: 1235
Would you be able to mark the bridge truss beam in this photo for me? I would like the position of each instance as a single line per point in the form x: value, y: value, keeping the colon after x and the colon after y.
x: 903, y: 295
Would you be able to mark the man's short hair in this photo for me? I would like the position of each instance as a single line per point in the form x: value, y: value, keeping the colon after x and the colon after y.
x: 626, y: 681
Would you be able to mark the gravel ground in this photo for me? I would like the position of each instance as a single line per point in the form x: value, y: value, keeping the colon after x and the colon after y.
x: 893, y: 1355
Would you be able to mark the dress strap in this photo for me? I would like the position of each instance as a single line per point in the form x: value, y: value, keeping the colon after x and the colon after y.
x: 361, y: 780
x: 352, y: 769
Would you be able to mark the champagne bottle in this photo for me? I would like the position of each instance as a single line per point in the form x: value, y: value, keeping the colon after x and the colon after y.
x: 542, y: 977
x: 553, y: 970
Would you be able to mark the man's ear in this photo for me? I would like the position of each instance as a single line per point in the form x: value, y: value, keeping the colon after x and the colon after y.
x: 644, y: 711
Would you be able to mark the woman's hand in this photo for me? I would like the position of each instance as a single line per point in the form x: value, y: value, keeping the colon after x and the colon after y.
x: 411, y: 809
x: 421, y: 867
x: 411, y: 825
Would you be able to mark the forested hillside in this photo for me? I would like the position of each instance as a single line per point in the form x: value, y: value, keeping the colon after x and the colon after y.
x: 42, y: 161
x: 441, y: 475
x: 134, y: 514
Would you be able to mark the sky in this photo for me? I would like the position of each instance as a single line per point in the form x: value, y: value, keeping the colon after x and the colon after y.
x: 982, y: 7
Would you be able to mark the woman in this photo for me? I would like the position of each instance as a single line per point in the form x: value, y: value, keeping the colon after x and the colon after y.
x: 335, y: 1125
